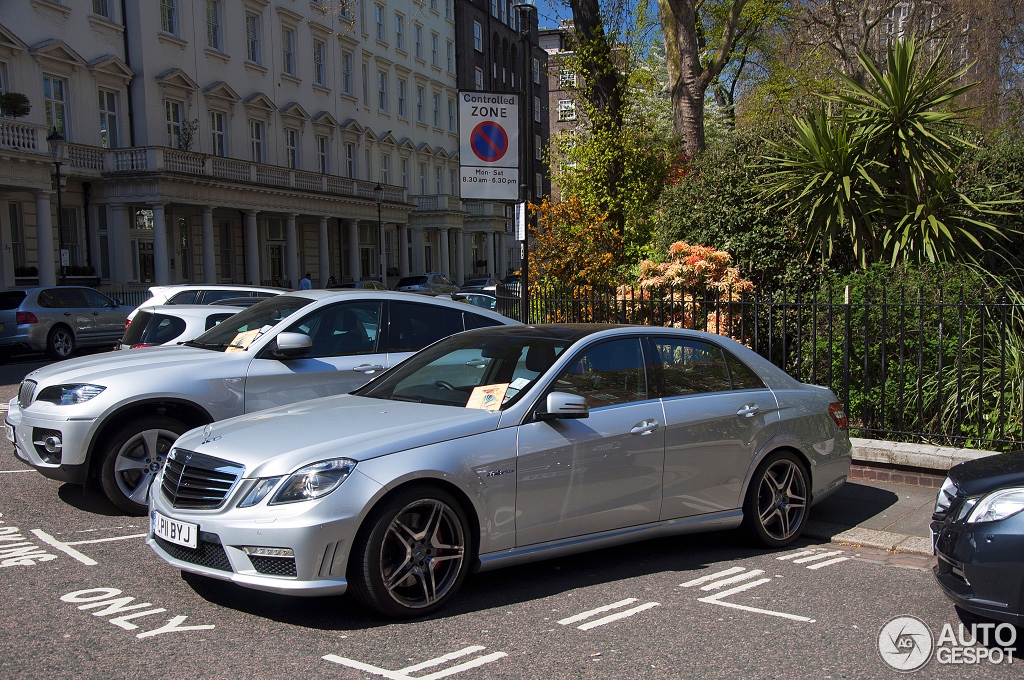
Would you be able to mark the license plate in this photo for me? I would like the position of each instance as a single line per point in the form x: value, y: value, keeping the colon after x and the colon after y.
x: 9, y: 432
x: 173, y: 531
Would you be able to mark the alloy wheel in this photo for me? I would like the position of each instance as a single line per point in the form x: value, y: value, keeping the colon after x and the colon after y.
x: 782, y: 499
x: 138, y: 461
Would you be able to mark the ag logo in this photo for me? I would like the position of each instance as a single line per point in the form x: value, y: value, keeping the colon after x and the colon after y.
x: 905, y: 643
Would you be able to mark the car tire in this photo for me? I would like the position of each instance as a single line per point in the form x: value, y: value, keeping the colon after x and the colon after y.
x: 60, y: 343
x: 412, y: 554
x: 133, y: 456
x: 778, y: 500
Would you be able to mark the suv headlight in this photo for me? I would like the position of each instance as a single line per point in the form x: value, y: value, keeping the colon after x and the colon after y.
x: 997, y: 505
x: 314, y: 481
x: 64, y: 395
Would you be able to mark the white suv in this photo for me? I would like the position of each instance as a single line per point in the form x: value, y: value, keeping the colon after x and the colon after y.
x: 116, y: 415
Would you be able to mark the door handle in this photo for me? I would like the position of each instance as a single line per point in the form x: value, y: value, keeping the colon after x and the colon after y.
x: 67, y: 313
x: 748, y: 411
x: 645, y: 427
x: 368, y: 368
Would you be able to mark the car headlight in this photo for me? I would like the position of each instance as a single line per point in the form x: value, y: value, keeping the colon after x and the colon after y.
x: 63, y: 395
x: 997, y: 505
x: 314, y: 481
x: 259, y: 491
x: 945, y: 496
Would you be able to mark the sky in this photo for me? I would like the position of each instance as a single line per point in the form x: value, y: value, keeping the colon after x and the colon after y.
x: 550, y: 13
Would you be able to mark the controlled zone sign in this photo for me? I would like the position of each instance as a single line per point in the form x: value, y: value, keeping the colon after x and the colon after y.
x: 489, y: 145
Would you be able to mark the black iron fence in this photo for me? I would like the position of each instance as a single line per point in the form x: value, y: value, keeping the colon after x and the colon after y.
x: 917, y: 365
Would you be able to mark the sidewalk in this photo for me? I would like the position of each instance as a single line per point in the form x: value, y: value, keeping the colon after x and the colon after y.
x: 876, y: 514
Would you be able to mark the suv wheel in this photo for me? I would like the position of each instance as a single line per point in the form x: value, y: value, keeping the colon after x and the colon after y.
x: 60, y: 343
x: 132, y: 458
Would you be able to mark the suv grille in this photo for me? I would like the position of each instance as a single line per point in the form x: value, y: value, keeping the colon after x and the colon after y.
x: 28, y: 387
x: 194, y: 480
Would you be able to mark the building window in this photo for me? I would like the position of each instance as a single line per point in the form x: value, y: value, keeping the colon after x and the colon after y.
x: 478, y: 37
x: 226, y: 250
x: 453, y: 183
x: 318, y: 62
x: 566, y: 109
x: 291, y: 147
x: 55, y: 97
x: 538, y: 181
x: 536, y: 71
x: 438, y: 184
x: 478, y: 78
x: 323, y: 158
x: 288, y: 50
x: 385, y: 168
x: 256, y: 140
x: 494, y: 8
x: 346, y: 72
x: 401, y: 98
x: 382, y: 90
x: 109, y: 133
x: 252, y: 38
x: 399, y: 32
x: 378, y: 13
x: 435, y: 100
x: 504, y: 11
x: 217, y: 133
x: 538, y: 150
x: 417, y: 35
x: 369, y: 165
x: 172, y: 114
x: 451, y: 115
x: 419, y: 105
x: 18, y: 232
x: 536, y: 109
x: 213, y: 32
x: 433, y: 5
x: 169, y: 16
x: 566, y: 79
x: 448, y: 9
x: 101, y: 7
x: 423, y: 178
x: 451, y: 57
x: 405, y: 173
x: 433, y: 49
x: 350, y: 160
x: 366, y: 85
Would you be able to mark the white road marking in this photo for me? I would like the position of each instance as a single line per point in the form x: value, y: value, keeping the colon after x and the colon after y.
x: 819, y: 565
x: 618, y: 615
x: 718, y: 597
x: 819, y: 556
x: 105, y: 540
x: 403, y: 674
x: 712, y: 577
x: 733, y: 579
x: 599, y: 610
x: 64, y: 548
x: 7, y: 472
x: 800, y: 553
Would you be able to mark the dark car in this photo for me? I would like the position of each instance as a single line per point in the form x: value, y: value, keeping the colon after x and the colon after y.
x: 978, y: 534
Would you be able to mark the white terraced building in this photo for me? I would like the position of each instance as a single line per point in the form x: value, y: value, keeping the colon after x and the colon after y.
x: 235, y: 141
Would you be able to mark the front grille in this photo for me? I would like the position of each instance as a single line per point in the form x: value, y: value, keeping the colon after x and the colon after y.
x: 25, y: 392
x: 39, y: 436
x: 206, y: 554
x: 274, y: 566
x: 197, y: 481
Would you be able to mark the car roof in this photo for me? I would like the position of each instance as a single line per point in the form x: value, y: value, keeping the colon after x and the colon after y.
x: 191, y: 311
x: 368, y: 293
x: 178, y: 287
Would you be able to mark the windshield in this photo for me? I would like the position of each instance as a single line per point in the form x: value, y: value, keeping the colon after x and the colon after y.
x: 472, y: 370
x: 237, y: 332
x: 412, y: 281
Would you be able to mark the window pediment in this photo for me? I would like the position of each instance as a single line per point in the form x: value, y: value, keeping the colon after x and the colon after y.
x: 58, y: 51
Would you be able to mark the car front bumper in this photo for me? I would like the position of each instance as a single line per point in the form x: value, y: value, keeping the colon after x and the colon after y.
x: 981, y: 566
x: 66, y: 463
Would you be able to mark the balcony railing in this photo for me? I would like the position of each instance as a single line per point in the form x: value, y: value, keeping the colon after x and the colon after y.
x: 16, y: 136
x: 437, y: 202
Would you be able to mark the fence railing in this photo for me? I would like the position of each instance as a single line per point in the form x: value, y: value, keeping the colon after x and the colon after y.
x: 130, y: 294
x: 909, y: 365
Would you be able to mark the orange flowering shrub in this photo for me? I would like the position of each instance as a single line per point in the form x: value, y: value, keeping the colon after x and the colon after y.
x: 574, y: 244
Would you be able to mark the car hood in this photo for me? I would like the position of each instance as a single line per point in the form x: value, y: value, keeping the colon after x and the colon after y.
x: 98, y: 368
x: 280, y: 440
x: 983, y: 475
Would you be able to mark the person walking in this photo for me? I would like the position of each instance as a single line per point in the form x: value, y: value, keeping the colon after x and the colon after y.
x: 306, y: 283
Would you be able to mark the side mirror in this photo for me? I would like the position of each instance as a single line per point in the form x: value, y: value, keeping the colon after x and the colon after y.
x: 564, y: 405
x: 291, y: 346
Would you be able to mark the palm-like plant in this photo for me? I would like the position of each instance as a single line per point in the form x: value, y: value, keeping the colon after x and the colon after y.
x: 883, y: 172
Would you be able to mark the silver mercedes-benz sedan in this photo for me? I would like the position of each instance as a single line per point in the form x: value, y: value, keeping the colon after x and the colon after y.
x: 495, y: 447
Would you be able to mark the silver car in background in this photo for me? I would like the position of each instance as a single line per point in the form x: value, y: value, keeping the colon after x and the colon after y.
x: 495, y: 447
x: 174, y: 324
x: 58, y: 320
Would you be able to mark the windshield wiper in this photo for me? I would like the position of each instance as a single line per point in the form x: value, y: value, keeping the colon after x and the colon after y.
x: 206, y: 345
x: 415, y: 400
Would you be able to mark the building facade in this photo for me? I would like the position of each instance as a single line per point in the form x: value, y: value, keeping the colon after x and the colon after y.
x: 235, y: 141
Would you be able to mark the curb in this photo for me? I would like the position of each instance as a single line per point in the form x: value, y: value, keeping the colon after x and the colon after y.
x: 924, y: 457
x: 890, y: 541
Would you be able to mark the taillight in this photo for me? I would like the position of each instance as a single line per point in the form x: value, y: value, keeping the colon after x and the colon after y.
x: 835, y: 409
x: 127, y: 322
x: 144, y: 344
x: 26, y: 317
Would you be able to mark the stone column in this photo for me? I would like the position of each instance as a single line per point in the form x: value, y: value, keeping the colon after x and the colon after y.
x: 353, y: 249
x: 489, y: 248
x: 403, y: 249
x: 467, y: 253
x: 160, y: 268
x: 324, y: 251
x: 209, y: 247
x: 459, y: 262
x: 44, y: 240
x: 292, y: 250
x: 119, y: 239
x: 445, y: 269
x: 417, y: 251
x: 252, y: 249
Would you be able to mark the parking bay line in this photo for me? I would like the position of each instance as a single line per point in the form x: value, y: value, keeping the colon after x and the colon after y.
x: 711, y: 577
x: 7, y: 472
x: 599, y: 610
x: 834, y: 560
x: 106, y: 540
x: 717, y: 599
x: 618, y: 615
x: 403, y: 674
x: 819, y: 556
x: 64, y: 548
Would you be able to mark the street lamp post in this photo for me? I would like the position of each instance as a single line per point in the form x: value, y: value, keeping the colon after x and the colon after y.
x: 55, y: 140
x: 378, y: 196
x: 524, y: 9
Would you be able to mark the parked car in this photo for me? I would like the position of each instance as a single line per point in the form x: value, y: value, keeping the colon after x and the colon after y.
x: 367, y: 284
x: 58, y: 320
x: 485, y: 300
x: 431, y: 283
x: 173, y: 324
x: 201, y: 294
x: 495, y: 447
x: 241, y: 302
x: 978, y: 534
x: 115, y: 416
x: 485, y: 283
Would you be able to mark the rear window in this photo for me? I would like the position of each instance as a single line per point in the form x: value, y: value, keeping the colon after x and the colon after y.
x: 186, y: 297
x: 412, y: 281
x: 162, y: 329
x: 10, y: 299
x: 133, y: 334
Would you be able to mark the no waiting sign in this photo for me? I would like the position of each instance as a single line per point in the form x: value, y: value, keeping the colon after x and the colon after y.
x: 489, y: 145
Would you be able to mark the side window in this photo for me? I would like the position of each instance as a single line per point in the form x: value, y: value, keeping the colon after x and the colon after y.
x: 96, y: 299
x: 414, y: 326
x: 689, y: 367
x: 211, y: 296
x: 743, y: 378
x: 348, y: 328
x: 70, y: 298
x: 607, y: 374
x: 47, y: 299
x: 476, y: 321
x: 163, y: 329
x: 215, y: 319
x: 185, y: 297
